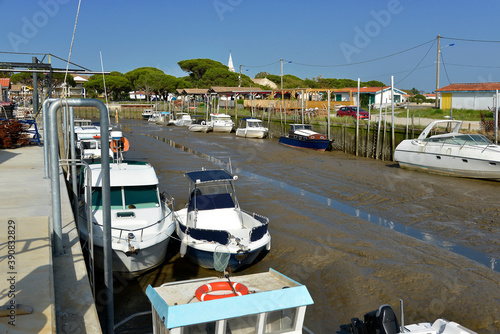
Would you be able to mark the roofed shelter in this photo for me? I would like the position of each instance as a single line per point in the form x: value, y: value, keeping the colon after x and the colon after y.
x: 227, y: 96
x: 4, y: 89
x: 475, y: 96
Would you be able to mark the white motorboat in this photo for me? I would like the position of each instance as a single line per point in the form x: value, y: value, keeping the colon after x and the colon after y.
x: 141, y: 218
x: 182, y: 119
x: 199, y: 124
x: 147, y: 113
x: 259, y: 303
x: 214, y: 222
x: 251, y: 128
x: 221, y: 123
x: 452, y: 153
x: 88, y: 142
x: 384, y: 321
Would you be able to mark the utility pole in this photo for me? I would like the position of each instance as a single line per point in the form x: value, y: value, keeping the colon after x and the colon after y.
x: 281, y: 61
x: 437, y: 69
x: 239, y: 78
x: 35, y: 87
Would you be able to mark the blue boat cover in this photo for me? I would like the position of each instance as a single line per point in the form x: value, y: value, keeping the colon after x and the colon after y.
x: 209, y: 176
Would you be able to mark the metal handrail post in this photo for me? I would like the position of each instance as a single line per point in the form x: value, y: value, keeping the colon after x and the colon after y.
x: 45, y: 107
x: 106, y: 195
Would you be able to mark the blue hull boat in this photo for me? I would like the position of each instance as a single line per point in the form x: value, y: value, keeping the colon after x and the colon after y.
x: 213, y: 224
x: 302, y: 136
x: 239, y: 261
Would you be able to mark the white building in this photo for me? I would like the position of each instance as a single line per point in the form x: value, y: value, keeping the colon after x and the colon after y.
x: 475, y: 96
x: 376, y: 95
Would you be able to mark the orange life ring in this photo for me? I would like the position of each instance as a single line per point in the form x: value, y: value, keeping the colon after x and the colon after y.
x: 121, y: 144
x: 97, y: 137
x: 202, y: 293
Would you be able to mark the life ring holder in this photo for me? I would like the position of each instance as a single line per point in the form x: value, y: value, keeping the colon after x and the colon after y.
x: 121, y: 144
x: 203, y: 292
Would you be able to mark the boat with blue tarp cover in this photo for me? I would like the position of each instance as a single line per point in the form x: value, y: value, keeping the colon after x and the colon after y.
x: 213, y: 221
x: 302, y: 135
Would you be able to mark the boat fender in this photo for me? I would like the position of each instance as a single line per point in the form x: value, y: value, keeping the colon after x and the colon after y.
x: 184, y: 243
x: 202, y: 293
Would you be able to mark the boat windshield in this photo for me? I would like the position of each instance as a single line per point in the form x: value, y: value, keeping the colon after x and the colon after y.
x: 302, y: 127
x: 254, y: 124
x: 136, y: 197
x: 463, y: 139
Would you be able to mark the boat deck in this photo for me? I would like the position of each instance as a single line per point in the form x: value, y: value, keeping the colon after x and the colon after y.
x: 183, y: 292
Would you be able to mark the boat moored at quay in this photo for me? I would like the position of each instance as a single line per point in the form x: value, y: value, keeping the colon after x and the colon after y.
x: 213, y: 222
x: 141, y: 218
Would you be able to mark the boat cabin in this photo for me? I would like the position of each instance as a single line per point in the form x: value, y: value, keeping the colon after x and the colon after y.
x: 211, y: 189
x: 266, y: 302
x: 295, y: 127
x: 250, y: 123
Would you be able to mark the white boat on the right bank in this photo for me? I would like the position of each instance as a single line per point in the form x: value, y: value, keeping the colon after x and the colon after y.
x: 452, y: 153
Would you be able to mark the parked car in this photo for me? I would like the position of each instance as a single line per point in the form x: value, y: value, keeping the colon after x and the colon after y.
x: 352, y: 111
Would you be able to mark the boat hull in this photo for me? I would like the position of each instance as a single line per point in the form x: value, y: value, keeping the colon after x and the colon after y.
x: 245, y: 133
x: 222, y: 128
x: 205, y: 259
x: 312, y: 144
x: 199, y: 128
x: 130, y: 265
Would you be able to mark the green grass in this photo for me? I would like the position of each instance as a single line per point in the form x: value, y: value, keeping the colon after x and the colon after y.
x: 459, y: 114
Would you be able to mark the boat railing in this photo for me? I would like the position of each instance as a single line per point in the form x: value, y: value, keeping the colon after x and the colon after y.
x: 219, y: 236
x: 138, y: 229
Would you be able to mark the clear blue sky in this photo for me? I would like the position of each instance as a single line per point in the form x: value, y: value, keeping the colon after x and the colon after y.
x: 311, y: 34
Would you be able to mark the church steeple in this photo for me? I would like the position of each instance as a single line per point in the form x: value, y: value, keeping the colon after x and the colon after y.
x: 230, y: 63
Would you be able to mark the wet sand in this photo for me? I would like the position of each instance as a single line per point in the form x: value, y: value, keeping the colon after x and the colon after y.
x: 350, y: 265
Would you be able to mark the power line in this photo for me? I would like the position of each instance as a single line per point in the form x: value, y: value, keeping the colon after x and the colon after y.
x: 421, y: 60
x: 370, y: 60
x: 466, y: 65
x: 24, y: 53
x: 445, y: 70
x: 255, y: 66
x: 351, y: 64
x: 470, y: 40
x: 406, y: 71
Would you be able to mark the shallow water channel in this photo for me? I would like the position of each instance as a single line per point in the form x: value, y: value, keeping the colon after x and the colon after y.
x: 357, y: 232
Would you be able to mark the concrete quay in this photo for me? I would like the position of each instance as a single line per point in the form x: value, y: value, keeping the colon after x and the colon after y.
x: 39, y: 292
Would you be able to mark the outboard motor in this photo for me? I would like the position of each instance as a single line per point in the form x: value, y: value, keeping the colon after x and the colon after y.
x: 381, y: 321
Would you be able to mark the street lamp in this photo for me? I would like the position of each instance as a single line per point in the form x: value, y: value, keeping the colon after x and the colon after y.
x: 281, y: 60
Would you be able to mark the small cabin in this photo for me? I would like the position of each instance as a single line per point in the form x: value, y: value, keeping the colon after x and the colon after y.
x: 274, y: 304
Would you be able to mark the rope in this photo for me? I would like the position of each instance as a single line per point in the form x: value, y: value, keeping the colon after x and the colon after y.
x: 72, y: 41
